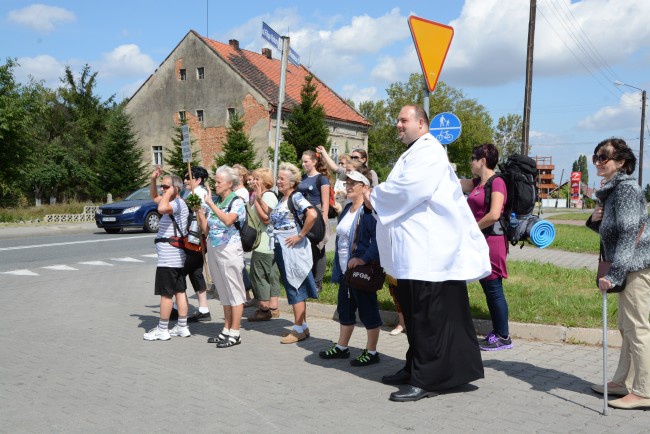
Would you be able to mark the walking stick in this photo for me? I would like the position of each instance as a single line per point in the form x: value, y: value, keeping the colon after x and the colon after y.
x: 605, y: 407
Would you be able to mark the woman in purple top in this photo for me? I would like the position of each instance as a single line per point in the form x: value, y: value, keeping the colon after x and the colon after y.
x: 484, y: 160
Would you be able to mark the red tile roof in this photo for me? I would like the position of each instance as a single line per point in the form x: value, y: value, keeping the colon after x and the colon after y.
x: 264, y: 74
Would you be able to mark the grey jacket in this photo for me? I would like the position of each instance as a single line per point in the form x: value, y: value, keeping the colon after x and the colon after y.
x: 624, y: 215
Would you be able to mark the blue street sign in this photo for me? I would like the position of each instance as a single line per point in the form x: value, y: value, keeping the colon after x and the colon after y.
x: 445, y: 127
x: 273, y: 38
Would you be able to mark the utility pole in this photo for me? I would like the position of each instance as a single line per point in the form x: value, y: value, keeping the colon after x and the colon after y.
x: 529, y: 77
x: 643, y: 97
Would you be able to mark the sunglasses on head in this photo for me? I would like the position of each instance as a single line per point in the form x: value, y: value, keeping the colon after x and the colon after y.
x: 600, y: 159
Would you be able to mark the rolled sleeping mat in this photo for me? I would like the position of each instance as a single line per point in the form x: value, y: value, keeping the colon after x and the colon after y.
x: 541, y: 232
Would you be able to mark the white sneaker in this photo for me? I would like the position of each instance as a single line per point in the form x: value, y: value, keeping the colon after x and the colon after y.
x: 155, y: 334
x: 183, y: 332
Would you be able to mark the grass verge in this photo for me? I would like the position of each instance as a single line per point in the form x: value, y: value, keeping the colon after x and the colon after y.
x: 537, y: 293
x: 581, y: 216
x: 11, y: 215
x: 573, y: 238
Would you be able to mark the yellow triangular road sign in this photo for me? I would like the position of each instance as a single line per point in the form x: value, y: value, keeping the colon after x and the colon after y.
x: 432, y: 41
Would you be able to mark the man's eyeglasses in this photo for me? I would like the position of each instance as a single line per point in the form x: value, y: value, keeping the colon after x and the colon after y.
x: 599, y: 159
x: 165, y: 187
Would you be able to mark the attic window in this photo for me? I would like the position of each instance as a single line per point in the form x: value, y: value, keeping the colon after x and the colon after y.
x: 199, y: 115
x: 181, y: 115
x: 231, y: 113
x: 200, y: 73
x: 183, y: 74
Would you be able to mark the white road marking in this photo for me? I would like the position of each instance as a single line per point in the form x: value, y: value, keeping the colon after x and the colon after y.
x: 60, y: 268
x: 155, y: 255
x: 126, y: 259
x: 95, y: 263
x: 134, y: 237
x: 20, y: 273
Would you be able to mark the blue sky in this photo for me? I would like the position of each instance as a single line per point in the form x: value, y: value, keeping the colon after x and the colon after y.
x: 359, y: 48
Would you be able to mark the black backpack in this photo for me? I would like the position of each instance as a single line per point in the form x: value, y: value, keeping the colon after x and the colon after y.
x: 317, y: 232
x: 519, y: 173
x: 251, y: 231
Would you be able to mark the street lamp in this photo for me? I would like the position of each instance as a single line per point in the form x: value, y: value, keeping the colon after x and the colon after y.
x: 643, y: 98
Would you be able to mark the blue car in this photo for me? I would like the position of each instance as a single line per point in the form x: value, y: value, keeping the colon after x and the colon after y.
x: 137, y: 210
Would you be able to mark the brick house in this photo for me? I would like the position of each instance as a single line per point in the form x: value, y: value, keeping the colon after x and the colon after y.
x: 205, y: 81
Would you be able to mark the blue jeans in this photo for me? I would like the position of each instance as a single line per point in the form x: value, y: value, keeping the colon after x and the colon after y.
x: 497, y: 305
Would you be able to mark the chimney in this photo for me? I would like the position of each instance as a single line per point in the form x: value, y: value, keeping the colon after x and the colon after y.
x: 266, y: 52
x: 234, y: 43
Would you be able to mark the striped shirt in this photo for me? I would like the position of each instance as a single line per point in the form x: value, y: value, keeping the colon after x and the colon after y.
x: 169, y: 256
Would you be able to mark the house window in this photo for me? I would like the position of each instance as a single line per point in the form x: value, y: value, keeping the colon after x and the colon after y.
x: 183, y: 74
x: 231, y: 113
x: 334, y: 153
x: 157, y: 155
x: 181, y: 115
x: 199, y: 115
x: 200, y: 73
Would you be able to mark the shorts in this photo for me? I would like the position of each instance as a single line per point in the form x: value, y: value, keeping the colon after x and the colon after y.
x: 193, y: 268
x: 169, y: 281
x: 350, y: 300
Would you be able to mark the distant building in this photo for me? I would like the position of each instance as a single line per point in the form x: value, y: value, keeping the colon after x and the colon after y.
x: 545, y: 181
x: 205, y: 81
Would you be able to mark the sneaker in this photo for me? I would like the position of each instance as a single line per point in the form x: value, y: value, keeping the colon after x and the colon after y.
x: 156, y: 334
x: 231, y: 341
x: 493, y: 342
x: 335, y: 353
x: 275, y: 313
x: 199, y: 317
x: 288, y: 332
x: 293, y: 337
x: 174, y: 315
x: 261, y: 315
x: 365, y: 359
x: 183, y: 332
x: 398, y: 330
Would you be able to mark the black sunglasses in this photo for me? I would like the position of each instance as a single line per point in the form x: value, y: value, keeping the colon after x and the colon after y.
x: 355, y: 157
x: 600, y: 159
x: 165, y: 187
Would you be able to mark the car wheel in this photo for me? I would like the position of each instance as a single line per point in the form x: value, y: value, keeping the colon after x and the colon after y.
x: 151, y: 222
x: 113, y: 230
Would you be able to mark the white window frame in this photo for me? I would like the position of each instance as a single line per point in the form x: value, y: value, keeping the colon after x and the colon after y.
x: 157, y: 155
x: 200, y: 73
x: 200, y: 115
x: 182, y: 74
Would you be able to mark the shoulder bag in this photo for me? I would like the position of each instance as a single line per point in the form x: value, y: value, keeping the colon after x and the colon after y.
x: 369, y: 277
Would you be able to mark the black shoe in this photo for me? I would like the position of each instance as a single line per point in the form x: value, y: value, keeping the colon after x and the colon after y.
x: 231, y: 341
x: 398, y: 378
x: 199, y: 317
x: 334, y: 353
x: 174, y: 315
x: 217, y: 339
x: 365, y: 359
x: 411, y: 393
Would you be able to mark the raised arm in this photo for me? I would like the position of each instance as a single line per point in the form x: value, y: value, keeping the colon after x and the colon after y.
x: 326, y: 157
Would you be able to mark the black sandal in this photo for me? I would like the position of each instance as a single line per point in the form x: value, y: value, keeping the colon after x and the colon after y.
x: 217, y: 339
x: 230, y: 342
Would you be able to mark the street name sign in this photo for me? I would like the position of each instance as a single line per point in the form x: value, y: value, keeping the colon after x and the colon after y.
x: 432, y: 41
x: 273, y: 38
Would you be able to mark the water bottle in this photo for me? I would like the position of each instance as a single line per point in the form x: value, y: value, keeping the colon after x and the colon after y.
x: 513, y: 220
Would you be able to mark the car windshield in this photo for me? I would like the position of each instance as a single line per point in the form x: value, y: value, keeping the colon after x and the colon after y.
x: 142, y: 194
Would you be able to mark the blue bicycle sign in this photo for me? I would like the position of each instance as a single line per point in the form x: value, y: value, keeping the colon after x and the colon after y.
x: 445, y: 127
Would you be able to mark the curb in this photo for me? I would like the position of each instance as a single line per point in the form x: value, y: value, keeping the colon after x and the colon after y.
x: 536, y: 332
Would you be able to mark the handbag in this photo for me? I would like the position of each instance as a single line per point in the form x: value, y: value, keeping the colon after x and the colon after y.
x: 604, y: 266
x: 369, y: 277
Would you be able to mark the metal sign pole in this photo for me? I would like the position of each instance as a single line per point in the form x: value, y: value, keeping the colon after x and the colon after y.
x: 278, y: 122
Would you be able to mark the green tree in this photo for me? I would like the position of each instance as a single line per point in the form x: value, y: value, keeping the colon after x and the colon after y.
x: 584, y: 168
x: 306, y: 128
x: 508, y: 136
x: 287, y: 153
x: 575, y: 167
x: 15, y: 143
x: 646, y: 191
x: 239, y: 148
x: 175, y: 158
x: 120, y: 166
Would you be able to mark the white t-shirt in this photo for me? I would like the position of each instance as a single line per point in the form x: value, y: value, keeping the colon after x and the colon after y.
x: 344, y: 244
x: 169, y: 256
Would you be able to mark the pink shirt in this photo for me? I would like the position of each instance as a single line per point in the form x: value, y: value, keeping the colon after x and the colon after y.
x: 496, y: 243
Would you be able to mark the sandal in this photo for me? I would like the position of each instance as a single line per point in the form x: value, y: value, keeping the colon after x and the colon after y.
x: 217, y: 339
x: 231, y: 341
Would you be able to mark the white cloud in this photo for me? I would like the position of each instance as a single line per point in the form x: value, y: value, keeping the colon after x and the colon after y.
x: 41, y: 17
x: 358, y: 95
x: 43, y: 67
x: 489, y: 45
x: 126, y: 61
x: 624, y: 115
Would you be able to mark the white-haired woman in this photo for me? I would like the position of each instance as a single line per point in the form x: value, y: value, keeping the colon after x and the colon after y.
x: 225, y: 253
x: 291, y: 248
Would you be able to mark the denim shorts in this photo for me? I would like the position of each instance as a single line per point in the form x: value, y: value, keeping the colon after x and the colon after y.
x: 350, y: 300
